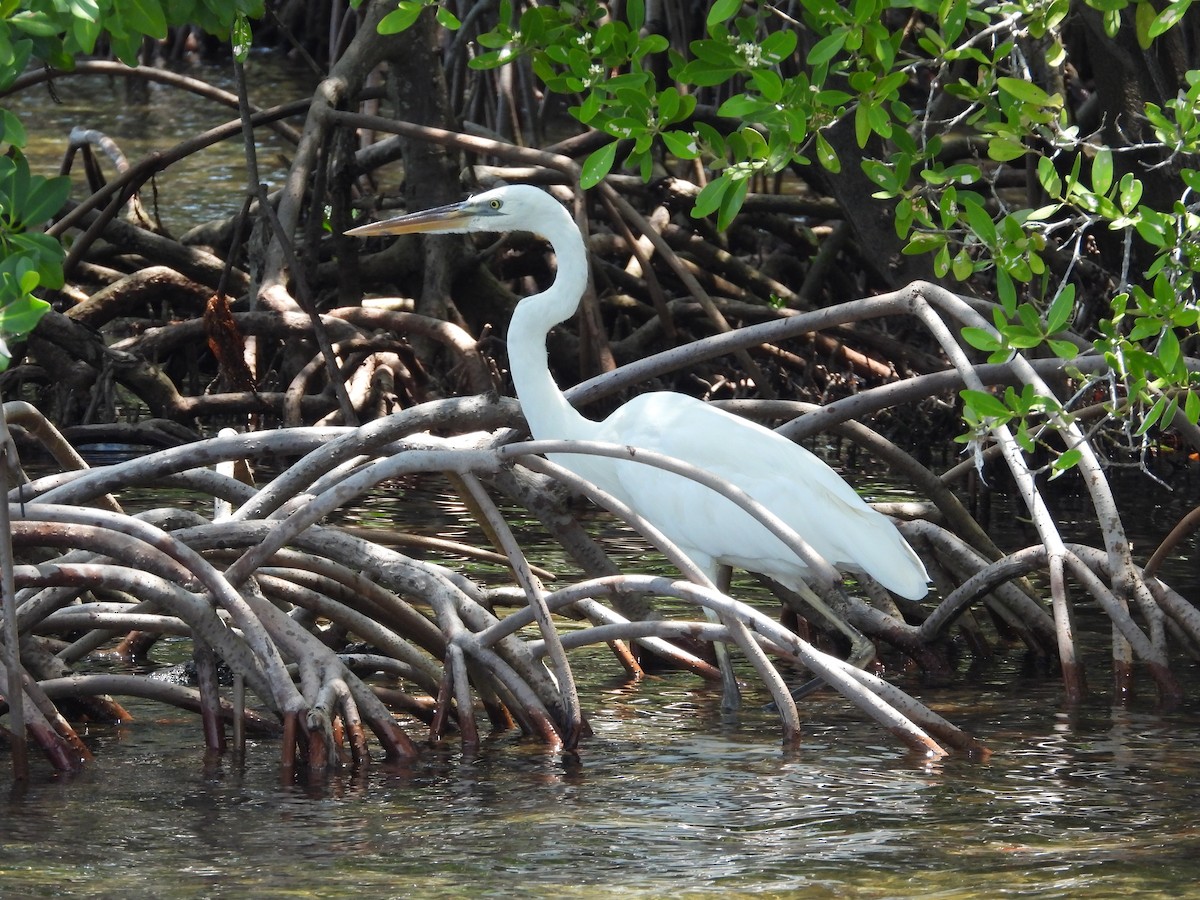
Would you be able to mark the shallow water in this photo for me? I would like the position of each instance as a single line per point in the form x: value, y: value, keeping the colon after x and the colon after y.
x: 668, y: 797
x: 143, y: 118
x: 665, y: 798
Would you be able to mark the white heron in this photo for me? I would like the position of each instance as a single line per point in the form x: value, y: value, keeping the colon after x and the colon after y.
x: 713, y: 531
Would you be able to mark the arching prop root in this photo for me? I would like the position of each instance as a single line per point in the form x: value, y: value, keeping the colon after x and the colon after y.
x: 278, y: 596
x: 263, y: 594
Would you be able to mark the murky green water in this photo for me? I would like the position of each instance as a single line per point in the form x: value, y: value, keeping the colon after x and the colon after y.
x: 666, y: 799
x: 144, y: 118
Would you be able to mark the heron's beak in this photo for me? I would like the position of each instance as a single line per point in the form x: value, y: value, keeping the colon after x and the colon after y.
x: 441, y: 218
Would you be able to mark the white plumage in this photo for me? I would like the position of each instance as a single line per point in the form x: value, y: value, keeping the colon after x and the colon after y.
x: 784, y: 477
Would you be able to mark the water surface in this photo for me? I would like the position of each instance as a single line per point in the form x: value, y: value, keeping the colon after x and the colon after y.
x: 666, y: 799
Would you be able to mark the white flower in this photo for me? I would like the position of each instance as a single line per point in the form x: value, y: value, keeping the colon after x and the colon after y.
x: 752, y: 53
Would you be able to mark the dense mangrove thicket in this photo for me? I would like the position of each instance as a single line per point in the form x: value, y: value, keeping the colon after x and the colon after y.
x: 898, y: 227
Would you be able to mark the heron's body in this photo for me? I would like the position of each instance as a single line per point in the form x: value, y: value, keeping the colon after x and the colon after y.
x: 712, y: 530
x: 794, y: 484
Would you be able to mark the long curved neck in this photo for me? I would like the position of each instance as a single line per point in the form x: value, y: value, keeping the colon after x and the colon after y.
x: 548, y: 412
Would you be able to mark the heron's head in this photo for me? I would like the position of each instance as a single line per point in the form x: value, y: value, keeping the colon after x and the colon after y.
x: 513, y: 207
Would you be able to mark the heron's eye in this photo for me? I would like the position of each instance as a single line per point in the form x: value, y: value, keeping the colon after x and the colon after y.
x: 495, y: 204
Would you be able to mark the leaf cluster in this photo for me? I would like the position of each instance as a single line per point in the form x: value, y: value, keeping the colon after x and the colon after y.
x: 911, y: 76
x: 55, y: 33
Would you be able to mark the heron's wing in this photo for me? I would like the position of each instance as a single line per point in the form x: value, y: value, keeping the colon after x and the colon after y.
x: 783, y: 476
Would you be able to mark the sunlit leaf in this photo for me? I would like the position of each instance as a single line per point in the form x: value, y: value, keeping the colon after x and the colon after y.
x: 598, y: 164
x: 1025, y: 91
x: 1067, y: 460
x: 1143, y: 19
x: 1191, y: 407
x: 400, y: 19
x: 980, y: 338
x: 826, y: 155
x: 721, y: 11
x: 21, y: 315
x: 1102, y: 171
x: 242, y: 38
x: 985, y: 404
x: 1060, y: 309
x: 680, y: 144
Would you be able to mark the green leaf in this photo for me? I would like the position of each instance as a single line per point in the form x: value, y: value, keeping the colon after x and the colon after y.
x: 862, y: 123
x: 1003, y: 149
x: 827, y: 156
x: 146, y: 17
x: 963, y: 266
x: 1144, y: 327
x: 1067, y: 460
x: 1168, y: 351
x: 708, y: 76
x: 1006, y: 291
x: 710, y: 197
x: 1129, y: 192
x: 448, y: 19
x: 1102, y: 171
x: 980, y: 338
x: 1048, y: 175
x: 984, y: 404
x: 588, y: 109
x: 1143, y: 18
x: 681, y: 144
x: 1060, y: 309
x: 1191, y: 407
x: 241, y: 37
x: 1062, y: 349
x: 597, y: 166
x: 668, y: 101
x: 11, y: 129
x: 740, y: 106
x: 1151, y: 417
x: 19, y: 317
x: 635, y: 14
x: 978, y: 220
x: 731, y: 203
x: 1169, y: 17
x: 1168, y: 416
x: 45, y: 197
x: 827, y: 48
x: 778, y: 45
x: 924, y: 242
x: 721, y: 11
x: 1024, y: 438
x: 401, y: 18
x: 769, y: 84
x: 1025, y: 91
x: 35, y: 24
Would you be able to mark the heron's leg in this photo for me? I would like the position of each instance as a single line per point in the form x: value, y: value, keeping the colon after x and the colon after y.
x: 862, y: 651
x: 731, y: 695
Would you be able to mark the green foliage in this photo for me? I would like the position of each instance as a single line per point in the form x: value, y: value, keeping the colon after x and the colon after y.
x: 404, y: 16
x: 882, y: 66
x: 54, y: 33
x: 577, y: 50
x: 1025, y: 412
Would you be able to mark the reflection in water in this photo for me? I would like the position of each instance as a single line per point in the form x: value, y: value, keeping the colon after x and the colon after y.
x: 661, y: 800
x: 668, y: 797
x: 143, y: 118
